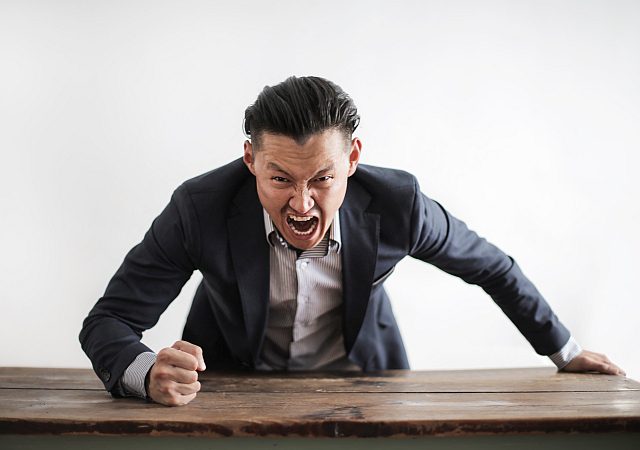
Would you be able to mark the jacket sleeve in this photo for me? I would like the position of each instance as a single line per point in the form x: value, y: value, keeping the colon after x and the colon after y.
x: 446, y: 242
x: 150, y: 277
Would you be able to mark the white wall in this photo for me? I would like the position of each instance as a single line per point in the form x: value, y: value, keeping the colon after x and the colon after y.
x: 521, y: 117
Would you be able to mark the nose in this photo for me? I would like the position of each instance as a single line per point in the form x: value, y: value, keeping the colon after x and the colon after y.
x: 301, y: 201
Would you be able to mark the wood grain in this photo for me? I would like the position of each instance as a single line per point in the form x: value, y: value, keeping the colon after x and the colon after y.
x: 488, y: 380
x: 494, y: 380
x: 395, y: 403
x: 48, y: 378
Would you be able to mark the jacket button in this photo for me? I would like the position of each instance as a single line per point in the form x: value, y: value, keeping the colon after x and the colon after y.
x: 105, y: 375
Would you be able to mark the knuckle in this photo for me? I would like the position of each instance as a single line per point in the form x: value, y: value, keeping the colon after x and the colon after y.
x: 161, y: 373
x: 193, y: 364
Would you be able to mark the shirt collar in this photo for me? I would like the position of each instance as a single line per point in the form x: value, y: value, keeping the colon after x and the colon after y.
x: 273, y: 236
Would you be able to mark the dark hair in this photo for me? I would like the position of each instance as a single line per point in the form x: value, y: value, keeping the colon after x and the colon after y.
x: 300, y: 107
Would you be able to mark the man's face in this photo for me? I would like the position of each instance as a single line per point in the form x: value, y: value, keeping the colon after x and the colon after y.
x: 302, y: 186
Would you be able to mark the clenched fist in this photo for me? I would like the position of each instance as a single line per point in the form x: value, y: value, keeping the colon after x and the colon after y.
x: 173, y: 379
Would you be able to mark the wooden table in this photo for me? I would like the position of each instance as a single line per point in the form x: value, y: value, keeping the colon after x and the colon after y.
x: 68, y: 408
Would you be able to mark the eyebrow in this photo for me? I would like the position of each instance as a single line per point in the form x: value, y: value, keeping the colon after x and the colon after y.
x: 274, y: 166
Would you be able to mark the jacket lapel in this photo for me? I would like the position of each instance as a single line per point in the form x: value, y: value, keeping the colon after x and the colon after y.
x: 360, y: 231
x: 250, y: 258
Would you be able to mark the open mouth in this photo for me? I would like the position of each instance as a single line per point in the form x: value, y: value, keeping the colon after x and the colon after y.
x: 302, y: 225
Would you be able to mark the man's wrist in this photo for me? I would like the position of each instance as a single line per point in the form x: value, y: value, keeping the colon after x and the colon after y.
x: 564, y: 356
x: 134, y: 378
x: 147, y: 378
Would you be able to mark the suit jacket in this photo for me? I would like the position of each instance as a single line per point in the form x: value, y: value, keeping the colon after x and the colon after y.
x: 214, y: 224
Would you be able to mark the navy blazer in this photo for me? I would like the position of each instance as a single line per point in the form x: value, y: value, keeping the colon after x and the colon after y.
x: 214, y: 224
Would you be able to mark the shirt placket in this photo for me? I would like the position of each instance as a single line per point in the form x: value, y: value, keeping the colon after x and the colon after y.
x: 301, y: 318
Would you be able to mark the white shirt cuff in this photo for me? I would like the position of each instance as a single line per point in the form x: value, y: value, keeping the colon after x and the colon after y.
x: 564, y: 356
x: 133, y: 378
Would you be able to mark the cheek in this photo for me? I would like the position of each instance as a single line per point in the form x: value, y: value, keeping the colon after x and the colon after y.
x: 331, y: 199
x: 271, y: 198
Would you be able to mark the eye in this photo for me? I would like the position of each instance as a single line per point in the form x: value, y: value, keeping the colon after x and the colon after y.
x: 280, y: 179
x: 324, y: 179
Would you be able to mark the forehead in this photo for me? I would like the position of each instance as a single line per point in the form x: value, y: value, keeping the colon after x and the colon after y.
x: 320, y: 150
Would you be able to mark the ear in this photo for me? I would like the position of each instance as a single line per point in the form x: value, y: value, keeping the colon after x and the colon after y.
x: 354, y: 155
x: 248, y: 157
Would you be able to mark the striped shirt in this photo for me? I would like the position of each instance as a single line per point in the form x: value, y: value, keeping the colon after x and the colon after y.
x: 304, y: 325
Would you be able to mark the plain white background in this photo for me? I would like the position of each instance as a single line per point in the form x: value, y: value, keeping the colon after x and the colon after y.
x: 520, y: 117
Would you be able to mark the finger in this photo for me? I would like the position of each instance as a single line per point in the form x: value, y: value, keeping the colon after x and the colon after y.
x: 193, y: 350
x: 171, y: 393
x: 187, y: 398
x: 612, y: 369
x: 177, y: 399
x: 609, y: 369
x: 174, y: 357
x: 177, y: 374
x: 618, y: 370
x: 188, y: 389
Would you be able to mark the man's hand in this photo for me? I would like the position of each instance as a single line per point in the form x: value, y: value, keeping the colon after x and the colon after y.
x: 173, y: 379
x: 588, y: 361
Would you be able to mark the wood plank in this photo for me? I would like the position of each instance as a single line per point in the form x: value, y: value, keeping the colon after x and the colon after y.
x: 312, y: 414
x: 49, y: 378
x: 490, y: 380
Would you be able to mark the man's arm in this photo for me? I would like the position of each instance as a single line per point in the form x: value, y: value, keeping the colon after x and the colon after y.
x: 150, y: 277
x: 446, y: 242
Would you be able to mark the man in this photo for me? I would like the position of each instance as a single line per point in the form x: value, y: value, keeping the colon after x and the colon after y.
x: 294, y: 242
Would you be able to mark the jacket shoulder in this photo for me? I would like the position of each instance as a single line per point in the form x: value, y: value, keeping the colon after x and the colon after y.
x: 207, y: 198
x: 375, y: 178
x: 384, y: 184
x: 227, y: 178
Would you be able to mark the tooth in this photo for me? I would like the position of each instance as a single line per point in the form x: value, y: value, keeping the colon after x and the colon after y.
x: 300, y: 219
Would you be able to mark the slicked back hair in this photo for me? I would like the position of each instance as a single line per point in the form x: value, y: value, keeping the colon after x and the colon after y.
x: 299, y: 108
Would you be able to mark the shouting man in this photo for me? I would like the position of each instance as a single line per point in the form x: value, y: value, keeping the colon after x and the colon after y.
x: 294, y: 242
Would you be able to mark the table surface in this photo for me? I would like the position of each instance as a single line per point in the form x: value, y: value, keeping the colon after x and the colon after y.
x: 328, y: 404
